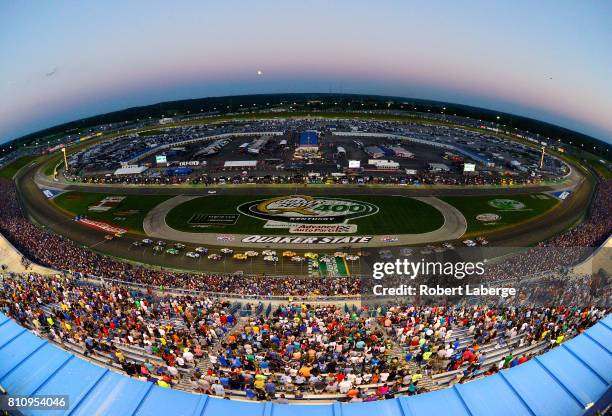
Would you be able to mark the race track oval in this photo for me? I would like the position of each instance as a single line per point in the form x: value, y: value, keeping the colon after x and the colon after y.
x: 155, y: 226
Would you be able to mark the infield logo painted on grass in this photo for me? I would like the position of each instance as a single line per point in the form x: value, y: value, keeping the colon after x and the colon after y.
x: 304, y: 209
x: 507, y: 204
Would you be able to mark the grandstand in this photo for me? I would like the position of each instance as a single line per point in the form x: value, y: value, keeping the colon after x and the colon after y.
x: 573, y: 379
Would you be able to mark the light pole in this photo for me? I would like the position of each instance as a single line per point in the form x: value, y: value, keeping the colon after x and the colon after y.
x: 65, y: 159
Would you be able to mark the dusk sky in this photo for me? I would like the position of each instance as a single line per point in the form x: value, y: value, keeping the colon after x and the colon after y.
x: 64, y: 60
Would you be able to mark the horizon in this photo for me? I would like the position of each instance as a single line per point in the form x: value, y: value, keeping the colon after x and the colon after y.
x: 375, y: 96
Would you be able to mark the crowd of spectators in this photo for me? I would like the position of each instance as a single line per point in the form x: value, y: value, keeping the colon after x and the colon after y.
x: 98, y: 319
x: 430, y: 333
x: 316, y: 349
x: 291, y: 351
x: 324, y: 350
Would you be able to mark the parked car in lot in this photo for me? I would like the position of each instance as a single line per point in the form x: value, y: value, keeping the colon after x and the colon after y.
x: 109, y: 237
x: 469, y: 243
x: 179, y: 246
x: 482, y: 241
x: 172, y: 251
x: 137, y: 244
x: 192, y: 255
x: 147, y: 241
x: 201, y: 250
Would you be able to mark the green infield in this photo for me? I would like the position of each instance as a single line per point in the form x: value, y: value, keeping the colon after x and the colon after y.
x: 356, y: 214
x: 126, y: 213
x: 12, y: 168
x: 351, y: 214
x: 491, y: 212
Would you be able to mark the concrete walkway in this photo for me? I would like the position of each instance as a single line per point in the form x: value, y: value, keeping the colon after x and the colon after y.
x: 155, y: 226
x: 600, y: 259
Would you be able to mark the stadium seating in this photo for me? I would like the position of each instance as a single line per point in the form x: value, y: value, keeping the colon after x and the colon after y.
x: 574, y: 379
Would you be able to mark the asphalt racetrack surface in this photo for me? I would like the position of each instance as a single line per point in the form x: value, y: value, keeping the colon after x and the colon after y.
x: 40, y: 210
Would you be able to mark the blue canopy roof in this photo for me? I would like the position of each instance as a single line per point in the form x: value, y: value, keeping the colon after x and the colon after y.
x: 565, y: 381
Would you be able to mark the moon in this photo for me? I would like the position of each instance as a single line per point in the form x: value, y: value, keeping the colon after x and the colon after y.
x: 259, y: 72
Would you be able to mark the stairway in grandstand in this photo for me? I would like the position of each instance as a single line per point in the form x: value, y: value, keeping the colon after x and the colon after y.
x: 493, y: 352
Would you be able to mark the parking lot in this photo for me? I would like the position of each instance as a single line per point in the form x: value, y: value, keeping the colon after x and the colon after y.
x: 269, y: 151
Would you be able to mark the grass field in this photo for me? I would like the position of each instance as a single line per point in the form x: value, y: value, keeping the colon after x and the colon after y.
x: 11, y: 169
x: 396, y: 215
x: 471, y: 206
x: 77, y: 203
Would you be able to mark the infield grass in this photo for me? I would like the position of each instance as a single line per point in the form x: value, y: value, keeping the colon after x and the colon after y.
x: 396, y: 215
x: 128, y: 214
x: 471, y: 206
x: 12, y: 168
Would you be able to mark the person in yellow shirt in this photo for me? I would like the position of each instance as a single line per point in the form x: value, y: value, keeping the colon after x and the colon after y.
x: 120, y: 356
x: 259, y: 383
x: 305, y: 371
